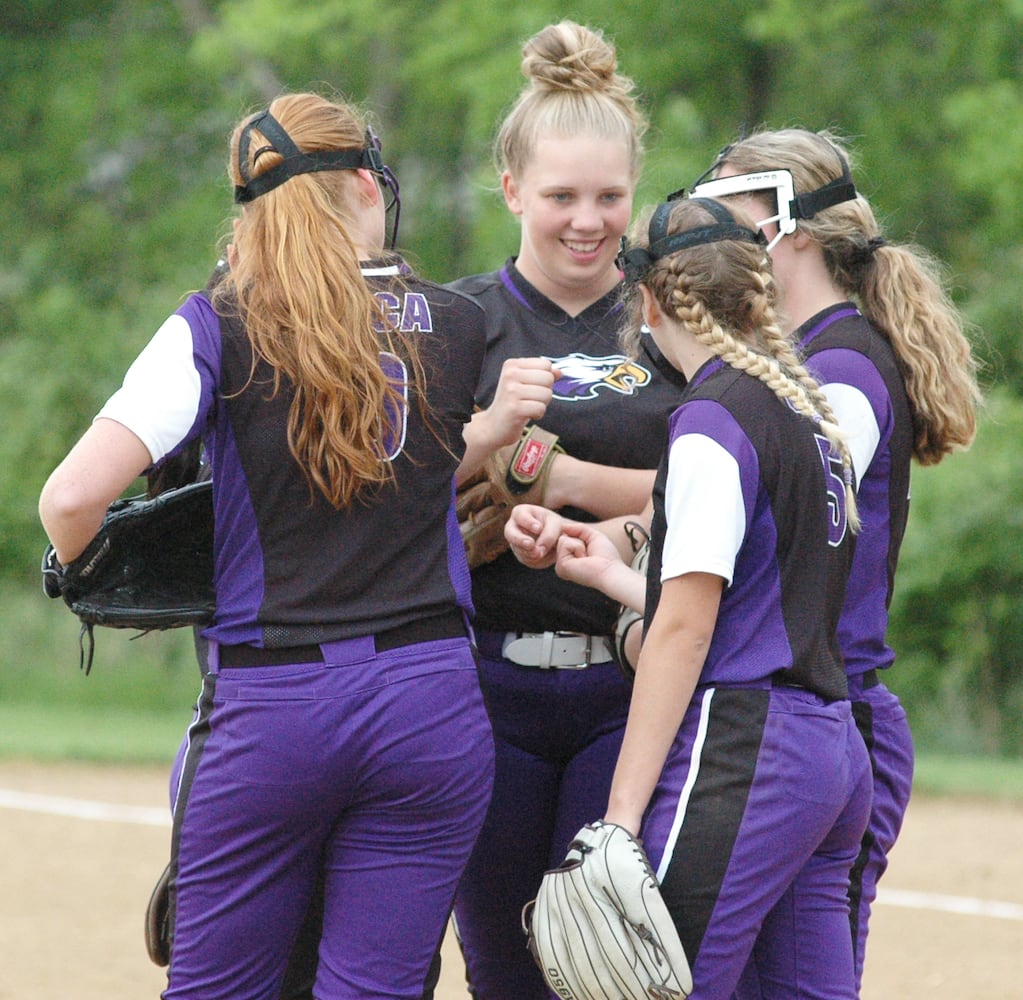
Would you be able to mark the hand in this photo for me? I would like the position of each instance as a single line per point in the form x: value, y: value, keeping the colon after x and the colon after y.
x: 585, y: 555
x: 532, y: 533
x: 524, y: 390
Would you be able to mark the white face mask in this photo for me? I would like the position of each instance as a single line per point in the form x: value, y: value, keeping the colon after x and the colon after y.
x: 791, y: 206
x: 778, y: 181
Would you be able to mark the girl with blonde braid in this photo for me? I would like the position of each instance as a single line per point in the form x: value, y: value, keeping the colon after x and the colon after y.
x: 877, y: 327
x: 741, y: 768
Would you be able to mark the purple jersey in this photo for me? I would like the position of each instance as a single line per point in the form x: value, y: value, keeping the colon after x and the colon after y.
x: 748, y: 491
x: 856, y: 367
x: 289, y: 568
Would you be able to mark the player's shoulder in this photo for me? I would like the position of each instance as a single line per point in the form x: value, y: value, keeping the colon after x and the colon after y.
x: 852, y: 349
x: 447, y: 295
x: 841, y: 327
x: 477, y: 286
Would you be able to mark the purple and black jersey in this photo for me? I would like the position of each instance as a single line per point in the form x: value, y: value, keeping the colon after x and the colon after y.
x: 290, y: 569
x: 856, y: 367
x: 760, y: 806
x: 748, y: 491
x: 607, y: 408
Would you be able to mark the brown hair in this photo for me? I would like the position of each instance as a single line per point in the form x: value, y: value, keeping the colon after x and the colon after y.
x: 299, y: 290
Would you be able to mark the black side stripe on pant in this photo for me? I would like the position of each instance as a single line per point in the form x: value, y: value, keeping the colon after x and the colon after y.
x: 198, y: 732
x: 692, y: 882
x: 863, y: 713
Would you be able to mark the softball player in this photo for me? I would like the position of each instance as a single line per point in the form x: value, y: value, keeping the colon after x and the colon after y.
x: 741, y: 768
x: 902, y: 381
x: 340, y: 728
x: 570, y: 152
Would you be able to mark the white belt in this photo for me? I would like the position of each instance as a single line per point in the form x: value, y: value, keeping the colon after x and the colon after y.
x: 556, y: 650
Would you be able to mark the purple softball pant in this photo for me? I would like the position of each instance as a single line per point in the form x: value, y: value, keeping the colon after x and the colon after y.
x: 375, y: 768
x: 557, y: 735
x: 752, y: 830
x: 882, y: 723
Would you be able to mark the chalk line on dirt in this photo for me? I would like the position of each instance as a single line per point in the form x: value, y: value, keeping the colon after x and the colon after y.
x: 950, y: 904
x: 53, y: 805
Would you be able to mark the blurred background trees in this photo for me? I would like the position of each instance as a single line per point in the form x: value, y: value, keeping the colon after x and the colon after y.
x: 115, y: 196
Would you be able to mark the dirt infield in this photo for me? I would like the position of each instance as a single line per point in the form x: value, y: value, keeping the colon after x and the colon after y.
x: 75, y: 877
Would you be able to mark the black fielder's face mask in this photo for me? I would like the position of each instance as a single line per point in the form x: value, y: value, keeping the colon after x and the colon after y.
x: 295, y: 162
x: 389, y: 183
x: 635, y: 262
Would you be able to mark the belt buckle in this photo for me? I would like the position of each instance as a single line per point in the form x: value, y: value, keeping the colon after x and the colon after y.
x: 548, y: 649
x: 586, y: 657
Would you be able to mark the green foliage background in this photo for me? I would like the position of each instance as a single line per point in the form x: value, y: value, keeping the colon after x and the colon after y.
x: 115, y: 195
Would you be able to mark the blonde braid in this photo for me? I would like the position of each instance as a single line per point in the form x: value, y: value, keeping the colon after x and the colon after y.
x: 780, y: 346
x: 777, y: 365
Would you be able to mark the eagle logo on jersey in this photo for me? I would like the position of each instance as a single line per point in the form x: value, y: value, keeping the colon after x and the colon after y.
x: 582, y: 377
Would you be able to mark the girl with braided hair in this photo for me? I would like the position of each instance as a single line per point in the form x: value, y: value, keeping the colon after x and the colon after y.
x: 741, y: 768
x: 878, y: 328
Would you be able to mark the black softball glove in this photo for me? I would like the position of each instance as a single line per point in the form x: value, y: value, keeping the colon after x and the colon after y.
x: 149, y: 567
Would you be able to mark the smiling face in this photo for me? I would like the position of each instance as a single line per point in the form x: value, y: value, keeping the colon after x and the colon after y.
x: 574, y: 199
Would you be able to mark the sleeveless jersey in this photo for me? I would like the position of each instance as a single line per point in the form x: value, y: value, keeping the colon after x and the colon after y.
x: 606, y: 409
x: 747, y: 491
x: 289, y: 568
x: 856, y: 367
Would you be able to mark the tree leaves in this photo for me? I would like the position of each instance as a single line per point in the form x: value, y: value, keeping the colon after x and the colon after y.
x: 112, y: 172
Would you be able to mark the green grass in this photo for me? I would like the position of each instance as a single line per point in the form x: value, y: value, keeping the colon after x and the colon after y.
x: 90, y: 733
x: 134, y: 706
x: 980, y: 777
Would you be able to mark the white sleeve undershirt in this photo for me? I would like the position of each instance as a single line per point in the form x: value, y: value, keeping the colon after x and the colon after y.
x: 160, y: 395
x: 704, y: 509
x: 857, y: 422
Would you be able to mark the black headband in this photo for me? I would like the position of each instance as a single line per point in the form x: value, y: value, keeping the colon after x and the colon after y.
x: 635, y: 262
x: 806, y: 206
x: 294, y: 161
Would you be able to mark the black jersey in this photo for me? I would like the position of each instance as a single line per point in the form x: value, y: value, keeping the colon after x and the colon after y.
x: 289, y: 568
x: 606, y: 409
x: 749, y: 492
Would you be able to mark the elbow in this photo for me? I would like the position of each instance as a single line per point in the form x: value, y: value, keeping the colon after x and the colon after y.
x: 69, y: 516
x: 60, y: 503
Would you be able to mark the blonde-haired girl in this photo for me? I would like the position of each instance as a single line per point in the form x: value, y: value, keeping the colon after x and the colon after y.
x: 877, y: 325
x: 568, y: 153
x: 741, y: 768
